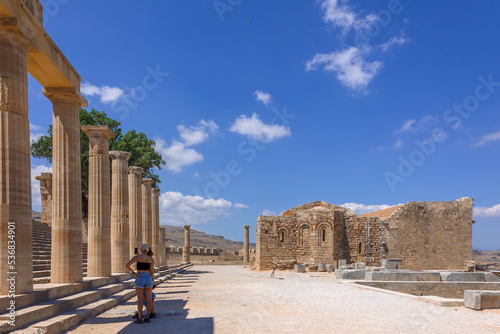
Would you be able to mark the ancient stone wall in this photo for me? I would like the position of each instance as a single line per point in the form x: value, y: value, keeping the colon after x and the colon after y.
x: 363, y: 240
x: 430, y: 235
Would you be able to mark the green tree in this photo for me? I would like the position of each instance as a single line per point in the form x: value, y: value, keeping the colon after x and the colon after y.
x: 141, y: 148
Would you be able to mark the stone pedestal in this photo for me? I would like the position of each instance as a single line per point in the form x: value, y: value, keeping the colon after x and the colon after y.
x: 135, y: 207
x: 147, y: 224
x: 186, y: 250
x: 99, y: 243
x: 246, y: 245
x: 15, y: 185
x: 155, y: 223
x: 46, y: 197
x: 120, y: 243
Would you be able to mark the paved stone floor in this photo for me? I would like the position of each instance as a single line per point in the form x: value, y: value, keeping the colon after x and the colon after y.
x: 232, y: 299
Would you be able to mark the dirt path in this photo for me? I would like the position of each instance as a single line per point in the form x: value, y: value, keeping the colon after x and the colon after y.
x: 231, y: 299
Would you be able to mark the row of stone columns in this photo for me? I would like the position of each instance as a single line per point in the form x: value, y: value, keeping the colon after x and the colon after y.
x: 133, y: 219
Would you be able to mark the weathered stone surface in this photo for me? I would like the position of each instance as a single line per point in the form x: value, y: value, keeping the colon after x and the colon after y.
x: 300, y: 268
x: 147, y: 223
x: 481, y: 299
x: 463, y: 277
x: 359, y: 266
x: 350, y: 274
x: 490, y: 277
x: 246, y: 244
x: 186, y: 250
x: 46, y: 197
x: 155, y: 225
x: 135, y: 207
x: 393, y: 263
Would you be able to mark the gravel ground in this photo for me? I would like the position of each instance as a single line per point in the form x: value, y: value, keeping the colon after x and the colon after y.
x: 232, y: 299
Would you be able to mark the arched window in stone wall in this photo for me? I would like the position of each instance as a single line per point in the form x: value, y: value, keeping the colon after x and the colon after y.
x: 304, y: 232
x: 323, y: 235
x: 282, y: 236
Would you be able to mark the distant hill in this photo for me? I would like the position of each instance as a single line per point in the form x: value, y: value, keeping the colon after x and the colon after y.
x: 175, y: 237
x: 486, y: 260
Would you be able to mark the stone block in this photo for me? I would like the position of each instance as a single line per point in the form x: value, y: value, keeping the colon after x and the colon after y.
x: 321, y: 267
x: 350, y: 274
x: 359, y: 266
x: 462, y: 277
x: 394, y: 263
x: 481, y: 299
x: 490, y: 277
x: 329, y: 268
x: 429, y: 277
x: 300, y: 268
x: 342, y: 263
x: 391, y: 276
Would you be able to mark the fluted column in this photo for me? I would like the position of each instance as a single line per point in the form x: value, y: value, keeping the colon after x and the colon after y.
x: 186, y: 250
x: 163, y: 255
x: 120, y: 246
x: 135, y: 207
x: 99, y: 244
x: 15, y: 183
x: 155, y: 222
x: 246, y: 245
x: 147, y: 231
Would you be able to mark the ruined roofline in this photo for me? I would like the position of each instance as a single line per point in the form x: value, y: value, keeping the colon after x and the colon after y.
x: 387, y: 212
x: 317, y: 205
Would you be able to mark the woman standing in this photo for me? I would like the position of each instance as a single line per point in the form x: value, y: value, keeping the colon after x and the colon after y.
x: 144, y: 280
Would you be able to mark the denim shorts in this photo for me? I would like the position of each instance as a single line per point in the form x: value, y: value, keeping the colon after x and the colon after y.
x: 144, y: 280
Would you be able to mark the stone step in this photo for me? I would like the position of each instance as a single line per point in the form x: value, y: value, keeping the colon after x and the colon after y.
x: 37, y: 262
x: 41, y: 249
x: 41, y: 252
x: 39, y: 267
x: 36, y: 313
x: 41, y: 273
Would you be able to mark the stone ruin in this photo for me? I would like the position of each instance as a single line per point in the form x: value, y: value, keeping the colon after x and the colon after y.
x: 425, y: 235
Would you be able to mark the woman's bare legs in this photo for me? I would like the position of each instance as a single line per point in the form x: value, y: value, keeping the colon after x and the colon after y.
x: 140, y: 297
x: 149, y: 299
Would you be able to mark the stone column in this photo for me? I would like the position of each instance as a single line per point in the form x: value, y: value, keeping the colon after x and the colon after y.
x: 135, y: 207
x: 147, y: 231
x: 186, y: 250
x: 66, y: 259
x: 15, y: 168
x: 246, y: 245
x: 155, y: 223
x: 120, y: 244
x: 46, y: 197
x: 163, y: 255
x: 99, y: 244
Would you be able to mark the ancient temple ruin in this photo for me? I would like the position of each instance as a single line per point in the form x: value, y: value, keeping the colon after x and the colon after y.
x: 425, y: 235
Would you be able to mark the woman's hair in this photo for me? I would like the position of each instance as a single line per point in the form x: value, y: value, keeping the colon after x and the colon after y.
x: 144, y: 248
x: 150, y: 252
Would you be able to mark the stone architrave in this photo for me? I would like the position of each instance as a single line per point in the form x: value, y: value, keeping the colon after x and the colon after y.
x: 246, y: 245
x: 155, y: 223
x: 135, y: 207
x: 15, y: 185
x: 99, y: 230
x: 147, y: 230
x: 186, y: 250
x: 120, y: 243
x: 46, y: 197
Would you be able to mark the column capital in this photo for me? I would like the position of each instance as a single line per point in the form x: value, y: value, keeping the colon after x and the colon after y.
x: 135, y: 170
x: 65, y: 95
x: 247, y: 227
x: 187, y: 227
x: 155, y: 191
x: 98, y: 131
x: 122, y: 155
x: 147, y: 181
x: 15, y: 32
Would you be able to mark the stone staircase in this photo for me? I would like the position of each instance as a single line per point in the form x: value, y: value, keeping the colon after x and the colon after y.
x: 53, y: 308
x: 42, y: 236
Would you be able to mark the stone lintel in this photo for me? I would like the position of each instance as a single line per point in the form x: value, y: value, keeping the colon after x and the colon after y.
x: 44, y: 176
x: 135, y: 170
x: 122, y: 155
x: 65, y: 94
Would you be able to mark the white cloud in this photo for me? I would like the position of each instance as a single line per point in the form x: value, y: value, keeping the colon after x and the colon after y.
x: 241, y: 206
x: 266, y: 212
x: 257, y: 130
x: 35, y: 133
x: 177, y: 155
x: 349, y: 65
x: 106, y: 94
x: 179, y: 209
x: 262, y: 97
x: 398, y: 144
x: 37, y: 170
x: 493, y: 211
x: 395, y: 40
x: 360, y: 209
x: 488, y: 138
x: 407, y: 125
x: 343, y: 16
x: 193, y: 135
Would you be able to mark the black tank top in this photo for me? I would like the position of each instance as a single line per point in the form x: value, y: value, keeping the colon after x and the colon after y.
x: 143, y: 265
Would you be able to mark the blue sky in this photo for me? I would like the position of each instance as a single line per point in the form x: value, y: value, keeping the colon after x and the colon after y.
x: 259, y: 106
